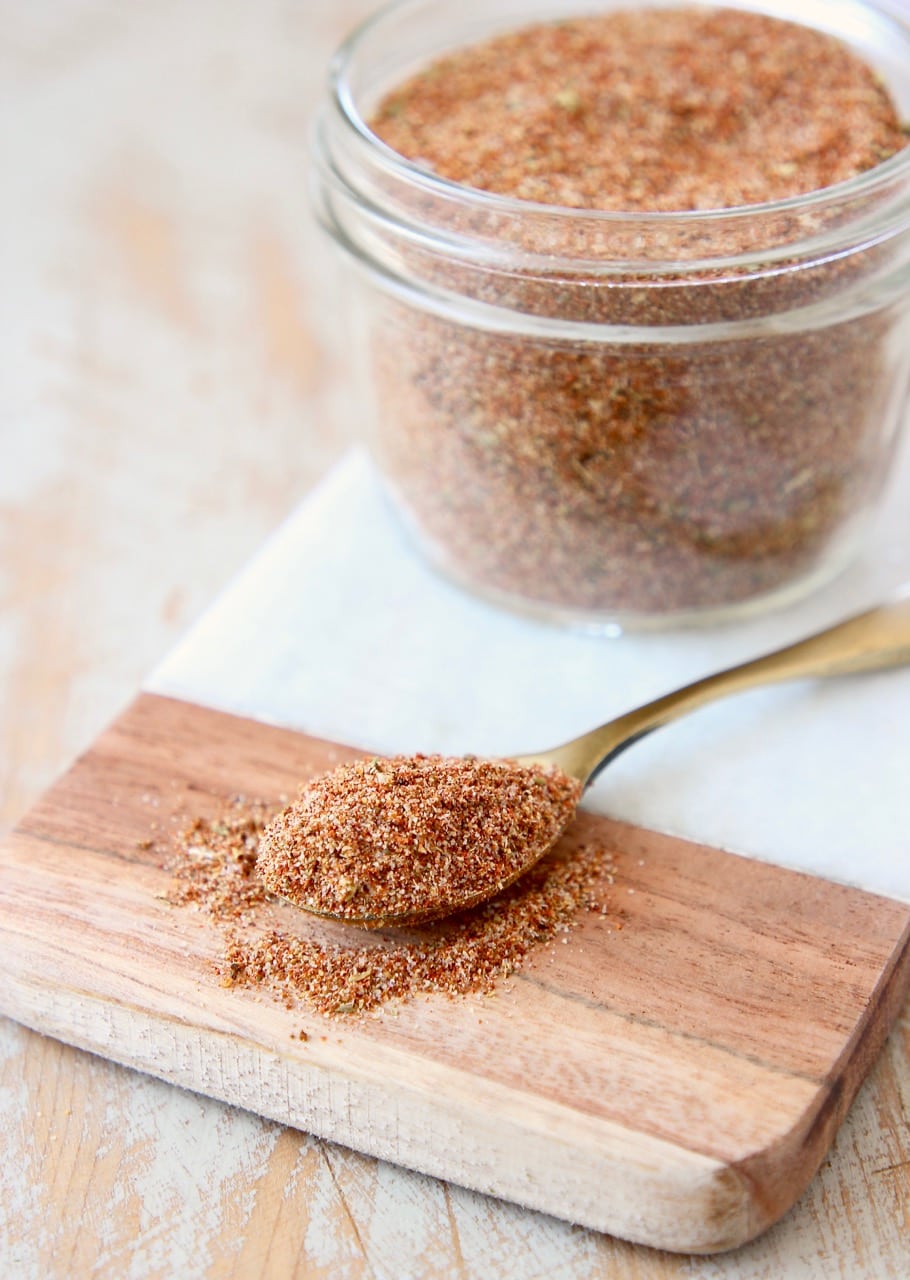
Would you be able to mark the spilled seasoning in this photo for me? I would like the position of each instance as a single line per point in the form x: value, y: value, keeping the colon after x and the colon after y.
x: 338, y: 969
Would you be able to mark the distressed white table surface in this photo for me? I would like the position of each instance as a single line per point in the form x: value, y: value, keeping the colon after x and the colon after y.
x: 172, y: 382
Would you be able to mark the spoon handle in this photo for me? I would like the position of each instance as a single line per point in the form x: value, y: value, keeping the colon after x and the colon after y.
x: 869, y: 641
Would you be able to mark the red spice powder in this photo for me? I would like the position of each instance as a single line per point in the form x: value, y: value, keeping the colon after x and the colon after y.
x: 650, y: 109
x: 337, y: 969
x: 648, y: 478
x: 413, y: 836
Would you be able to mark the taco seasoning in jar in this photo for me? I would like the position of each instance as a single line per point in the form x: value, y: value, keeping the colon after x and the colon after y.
x: 635, y: 293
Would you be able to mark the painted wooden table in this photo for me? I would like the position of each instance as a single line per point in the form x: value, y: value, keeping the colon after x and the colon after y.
x: 172, y: 382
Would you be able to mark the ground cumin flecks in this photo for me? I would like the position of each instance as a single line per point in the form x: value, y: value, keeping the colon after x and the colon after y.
x: 413, y: 836
x: 616, y: 472
x: 338, y: 969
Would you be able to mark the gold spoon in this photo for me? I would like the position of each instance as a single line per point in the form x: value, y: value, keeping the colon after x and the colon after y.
x: 869, y: 641
x: 876, y: 639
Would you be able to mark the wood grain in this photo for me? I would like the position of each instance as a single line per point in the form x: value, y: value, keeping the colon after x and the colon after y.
x: 676, y: 1080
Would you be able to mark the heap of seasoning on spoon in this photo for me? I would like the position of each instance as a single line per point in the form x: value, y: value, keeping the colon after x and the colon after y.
x: 409, y: 839
x: 412, y: 838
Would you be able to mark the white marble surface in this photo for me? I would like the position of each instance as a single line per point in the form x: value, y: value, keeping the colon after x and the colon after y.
x: 339, y: 629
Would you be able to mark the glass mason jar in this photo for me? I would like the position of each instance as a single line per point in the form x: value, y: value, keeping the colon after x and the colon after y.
x: 635, y: 419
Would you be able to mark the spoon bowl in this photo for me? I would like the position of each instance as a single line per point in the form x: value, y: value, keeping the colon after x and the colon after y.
x: 427, y: 881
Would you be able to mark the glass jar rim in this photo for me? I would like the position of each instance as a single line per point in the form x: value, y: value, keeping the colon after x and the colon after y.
x: 868, y: 184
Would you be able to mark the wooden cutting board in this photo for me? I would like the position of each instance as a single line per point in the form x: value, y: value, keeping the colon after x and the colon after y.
x: 674, y: 1075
